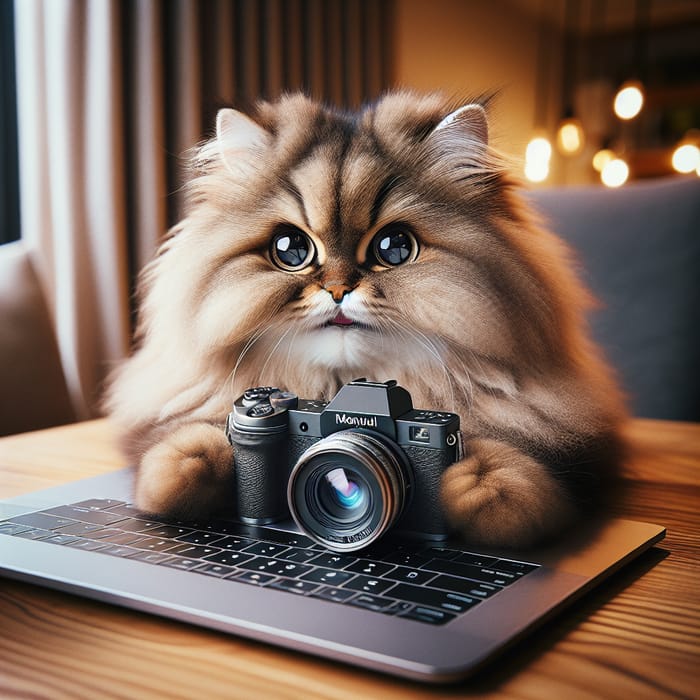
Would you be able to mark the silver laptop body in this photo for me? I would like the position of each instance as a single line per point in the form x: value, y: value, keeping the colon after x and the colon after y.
x: 427, y: 612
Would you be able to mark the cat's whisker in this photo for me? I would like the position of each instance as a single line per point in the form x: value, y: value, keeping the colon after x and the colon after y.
x: 273, y: 350
x: 405, y: 331
x: 264, y: 327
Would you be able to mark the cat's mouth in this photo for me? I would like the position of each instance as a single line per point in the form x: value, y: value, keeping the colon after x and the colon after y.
x: 340, y: 320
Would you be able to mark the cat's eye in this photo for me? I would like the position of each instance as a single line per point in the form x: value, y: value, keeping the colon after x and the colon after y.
x: 291, y: 249
x: 394, y: 246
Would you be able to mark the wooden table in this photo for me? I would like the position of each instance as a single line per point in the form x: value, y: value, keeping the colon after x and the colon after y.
x: 636, y: 637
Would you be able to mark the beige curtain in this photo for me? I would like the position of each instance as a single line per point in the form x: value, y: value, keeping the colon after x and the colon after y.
x: 71, y: 184
x: 111, y: 93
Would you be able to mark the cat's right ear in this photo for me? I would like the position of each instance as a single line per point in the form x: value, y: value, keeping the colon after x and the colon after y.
x: 238, y: 138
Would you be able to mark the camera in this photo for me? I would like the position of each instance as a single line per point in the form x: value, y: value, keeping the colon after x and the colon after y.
x: 347, y: 470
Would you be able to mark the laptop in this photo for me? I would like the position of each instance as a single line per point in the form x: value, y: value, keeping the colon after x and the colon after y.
x: 425, y: 611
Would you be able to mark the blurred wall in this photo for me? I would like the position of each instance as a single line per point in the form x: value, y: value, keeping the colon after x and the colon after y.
x: 465, y: 47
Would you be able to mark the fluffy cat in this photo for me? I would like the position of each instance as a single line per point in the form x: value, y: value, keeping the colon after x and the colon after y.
x: 319, y: 246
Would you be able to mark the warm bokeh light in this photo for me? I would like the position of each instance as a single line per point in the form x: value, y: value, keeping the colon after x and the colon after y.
x: 570, y: 137
x: 629, y: 100
x: 615, y: 173
x: 537, y: 156
x: 602, y: 158
x: 539, y: 149
x: 686, y: 158
x: 536, y: 170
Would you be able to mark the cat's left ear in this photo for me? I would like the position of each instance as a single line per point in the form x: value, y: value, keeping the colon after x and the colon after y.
x: 465, y: 127
x: 238, y: 138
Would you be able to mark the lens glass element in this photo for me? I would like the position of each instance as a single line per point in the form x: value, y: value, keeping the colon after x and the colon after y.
x: 348, y: 489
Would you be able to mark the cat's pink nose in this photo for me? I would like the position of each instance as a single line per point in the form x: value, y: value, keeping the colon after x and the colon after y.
x: 337, y: 291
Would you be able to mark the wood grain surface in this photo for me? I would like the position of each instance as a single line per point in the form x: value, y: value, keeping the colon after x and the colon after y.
x: 635, y: 637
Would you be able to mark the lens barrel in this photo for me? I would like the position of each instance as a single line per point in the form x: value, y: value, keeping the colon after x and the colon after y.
x: 348, y: 489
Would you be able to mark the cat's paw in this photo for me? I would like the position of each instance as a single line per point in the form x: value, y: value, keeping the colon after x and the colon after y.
x: 186, y: 475
x: 499, y: 496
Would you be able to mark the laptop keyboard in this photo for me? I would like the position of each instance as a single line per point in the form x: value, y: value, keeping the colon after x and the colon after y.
x: 424, y: 582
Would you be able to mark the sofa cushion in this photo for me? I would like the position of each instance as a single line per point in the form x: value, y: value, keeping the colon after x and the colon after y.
x: 33, y: 391
x: 639, y: 247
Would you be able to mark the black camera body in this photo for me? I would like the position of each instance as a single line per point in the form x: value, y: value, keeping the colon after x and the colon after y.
x: 347, y: 470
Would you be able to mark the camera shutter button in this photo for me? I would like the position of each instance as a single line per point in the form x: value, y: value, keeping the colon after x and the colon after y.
x: 260, y: 410
x: 284, y: 399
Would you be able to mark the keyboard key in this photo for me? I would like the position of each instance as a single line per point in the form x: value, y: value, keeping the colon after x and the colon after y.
x: 80, y: 529
x: 150, y: 557
x: 218, y: 570
x: 233, y: 543
x: 372, y: 602
x: 429, y: 615
x: 156, y: 544
x: 155, y: 529
x: 294, y: 586
x: 398, y: 607
x: 475, y: 573
x: 255, y: 578
x: 299, y: 555
x: 61, y: 539
x: 265, y: 549
x: 123, y: 537
x: 464, y: 586
x: 196, y: 536
x: 12, y: 528
x: 331, y: 577
x: 438, y: 552
x: 290, y: 539
x: 475, y: 559
x: 88, y: 545
x: 229, y: 558
x: 180, y: 563
x: 404, y: 558
x: 116, y: 550
x: 454, y: 602
x: 365, y: 584
x: 276, y: 567
x: 408, y: 575
x: 97, y: 517
x: 98, y: 503
x: 339, y: 595
x: 192, y: 551
x: 519, y: 568
x: 370, y: 568
x: 43, y: 521
x: 101, y: 533
x: 128, y: 509
x: 333, y: 561
x: 36, y: 533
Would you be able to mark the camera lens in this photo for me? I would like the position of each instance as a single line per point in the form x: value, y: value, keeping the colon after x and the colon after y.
x: 348, y: 489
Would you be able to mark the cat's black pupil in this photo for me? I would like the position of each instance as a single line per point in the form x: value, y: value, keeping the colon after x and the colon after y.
x: 393, y: 248
x: 292, y: 249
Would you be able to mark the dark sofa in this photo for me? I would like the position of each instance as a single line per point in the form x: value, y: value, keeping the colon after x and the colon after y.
x: 639, y: 250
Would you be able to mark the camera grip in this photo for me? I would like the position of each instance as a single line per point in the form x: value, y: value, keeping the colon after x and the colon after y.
x: 261, y: 472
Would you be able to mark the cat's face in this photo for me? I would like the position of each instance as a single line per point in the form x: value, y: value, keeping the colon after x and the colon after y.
x: 320, y: 247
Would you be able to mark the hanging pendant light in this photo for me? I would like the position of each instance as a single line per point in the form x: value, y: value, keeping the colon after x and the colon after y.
x: 629, y: 99
x: 538, y: 153
x: 615, y: 173
x: 570, y: 136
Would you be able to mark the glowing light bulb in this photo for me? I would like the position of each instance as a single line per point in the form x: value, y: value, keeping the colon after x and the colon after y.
x: 570, y: 137
x: 537, y: 156
x: 686, y: 158
x: 539, y: 149
x: 629, y: 100
x: 602, y: 158
x: 615, y: 173
x: 536, y: 170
